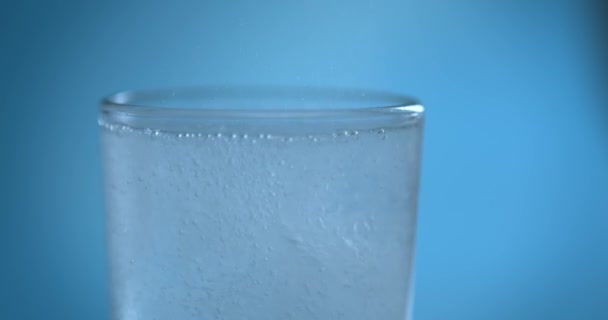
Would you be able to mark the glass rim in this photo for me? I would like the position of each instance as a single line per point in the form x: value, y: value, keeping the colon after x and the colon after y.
x: 360, y: 103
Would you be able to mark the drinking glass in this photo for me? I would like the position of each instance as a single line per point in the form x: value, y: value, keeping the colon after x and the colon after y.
x: 260, y: 203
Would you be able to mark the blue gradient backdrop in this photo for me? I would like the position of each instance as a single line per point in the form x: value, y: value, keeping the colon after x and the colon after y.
x: 514, y: 204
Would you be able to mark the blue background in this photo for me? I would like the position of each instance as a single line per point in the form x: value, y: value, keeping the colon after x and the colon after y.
x: 514, y: 203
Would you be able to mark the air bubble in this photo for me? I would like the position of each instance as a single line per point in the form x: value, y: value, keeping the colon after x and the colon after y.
x: 382, y: 133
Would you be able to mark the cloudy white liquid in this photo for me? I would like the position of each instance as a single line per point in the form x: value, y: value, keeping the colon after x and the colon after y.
x: 250, y: 225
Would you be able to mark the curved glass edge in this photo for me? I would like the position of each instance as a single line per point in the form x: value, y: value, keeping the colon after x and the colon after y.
x: 130, y: 109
